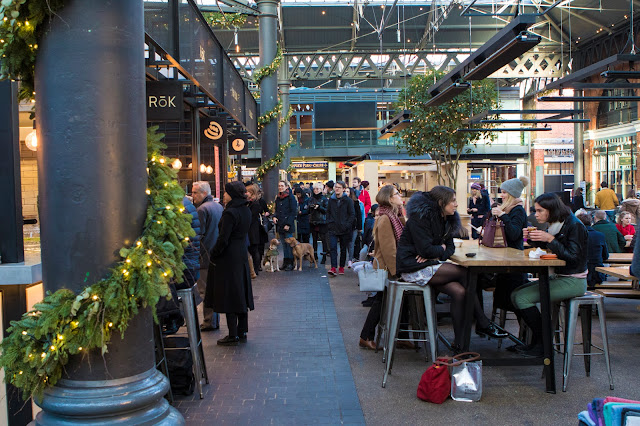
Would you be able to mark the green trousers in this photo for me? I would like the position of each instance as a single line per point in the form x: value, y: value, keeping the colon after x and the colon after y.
x: 560, y: 288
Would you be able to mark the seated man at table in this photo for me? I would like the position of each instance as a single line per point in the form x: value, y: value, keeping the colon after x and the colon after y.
x: 597, y: 249
x: 568, y: 239
x: 615, y: 240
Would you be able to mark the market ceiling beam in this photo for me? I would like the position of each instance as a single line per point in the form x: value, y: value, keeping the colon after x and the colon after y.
x: 241, y: 6
x: 332, y: 65
x: 437, y: 15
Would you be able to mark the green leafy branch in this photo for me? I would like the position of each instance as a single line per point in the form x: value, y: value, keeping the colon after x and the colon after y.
x: 39, y: 345
x: 275, y: 160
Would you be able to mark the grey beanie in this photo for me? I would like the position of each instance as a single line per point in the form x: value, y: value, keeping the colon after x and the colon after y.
x: 515, y: 186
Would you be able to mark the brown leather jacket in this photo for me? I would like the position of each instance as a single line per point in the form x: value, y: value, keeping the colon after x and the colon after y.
x: 385, y: 244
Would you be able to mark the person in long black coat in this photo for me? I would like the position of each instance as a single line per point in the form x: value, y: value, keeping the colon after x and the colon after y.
x: 304, y: 228
x: 257, y: 232
x: 229, y: 282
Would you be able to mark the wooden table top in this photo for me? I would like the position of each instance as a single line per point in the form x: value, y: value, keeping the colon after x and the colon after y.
x: 621, y: 272
x: 620, y: 258
x: 486, y: 256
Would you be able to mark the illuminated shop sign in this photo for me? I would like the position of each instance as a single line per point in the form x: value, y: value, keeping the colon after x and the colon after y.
x: 311, y: 165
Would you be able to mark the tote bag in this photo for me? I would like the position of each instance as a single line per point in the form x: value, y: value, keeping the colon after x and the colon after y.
x: 466, y: 377
x: 372, y: 279
x: 493, y: 233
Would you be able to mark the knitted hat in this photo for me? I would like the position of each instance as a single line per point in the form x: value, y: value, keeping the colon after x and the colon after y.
x: 476, y: 185
x: 515, y: 186
x: 236, y: 189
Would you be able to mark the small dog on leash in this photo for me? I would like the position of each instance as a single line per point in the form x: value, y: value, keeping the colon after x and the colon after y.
x: 271, y: 257
x: 300, y: 251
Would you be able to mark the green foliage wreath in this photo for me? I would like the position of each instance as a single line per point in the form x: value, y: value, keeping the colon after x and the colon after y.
x: 22, y: 25
x: 39, y: 345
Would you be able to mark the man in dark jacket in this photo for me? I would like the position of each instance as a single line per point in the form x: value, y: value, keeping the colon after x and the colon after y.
x: 597, y: 252
x: 285, y: 216
x: 340, y: 219
x: 615, y: 240
x: 209, y: 213
x: 304, y: 228
x: 318, y: 205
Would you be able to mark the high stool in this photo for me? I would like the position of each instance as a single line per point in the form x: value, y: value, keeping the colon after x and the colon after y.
x: 395, y: 293
x: 585, y: 303
x: 187, y: 300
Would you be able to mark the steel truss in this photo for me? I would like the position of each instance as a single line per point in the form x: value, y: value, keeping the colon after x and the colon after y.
x: 398, y: 65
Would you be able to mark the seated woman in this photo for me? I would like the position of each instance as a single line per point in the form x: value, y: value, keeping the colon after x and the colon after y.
x: 426, y: 243
x: 626, y: 228
x: 567, y: 238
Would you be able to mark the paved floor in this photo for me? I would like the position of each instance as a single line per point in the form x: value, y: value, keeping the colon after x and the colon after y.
x: 302, y: 365
x: 292, y: 370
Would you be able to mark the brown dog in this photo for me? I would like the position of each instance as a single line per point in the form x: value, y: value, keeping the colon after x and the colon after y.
x: 300, y: 250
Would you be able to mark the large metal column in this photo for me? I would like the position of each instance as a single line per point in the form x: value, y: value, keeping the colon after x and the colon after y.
x: 283, y: 88
x: 90, y: 91
x: 578, y: 146
x: 268, y: 92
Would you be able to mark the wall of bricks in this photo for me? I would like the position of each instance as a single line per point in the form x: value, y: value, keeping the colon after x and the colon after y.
x: 29, y: 180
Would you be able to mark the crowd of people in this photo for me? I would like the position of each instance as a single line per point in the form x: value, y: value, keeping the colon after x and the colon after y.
x: 413, y: 244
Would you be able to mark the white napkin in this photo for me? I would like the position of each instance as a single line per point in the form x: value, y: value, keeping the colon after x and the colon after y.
x: 535, y: 254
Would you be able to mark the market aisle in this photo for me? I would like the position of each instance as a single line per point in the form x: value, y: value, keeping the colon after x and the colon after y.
x: 294, y: 367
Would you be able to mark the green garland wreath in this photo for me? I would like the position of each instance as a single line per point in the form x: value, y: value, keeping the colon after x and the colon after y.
x: 261, y: 73
x: 39, y: 345
x: 225, y: 20
x: 275, y: 160
x: 22, y: 25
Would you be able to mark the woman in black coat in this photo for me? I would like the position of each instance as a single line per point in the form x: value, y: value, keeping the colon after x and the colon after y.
x: 284, y: 219
x: 478, y: 207
x: 257, y: 233
x: 304, y: 228
x: 424, y: 246
x: 340, y: 219
x: 229, y: 282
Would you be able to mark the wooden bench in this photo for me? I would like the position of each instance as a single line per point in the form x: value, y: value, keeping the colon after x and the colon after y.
x: 615, y: 285
x: 619, y: 293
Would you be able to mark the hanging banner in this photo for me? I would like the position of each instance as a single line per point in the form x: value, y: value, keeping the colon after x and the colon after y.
x: 164, y: 100
x: 213, y: 129
x: 238, y: 144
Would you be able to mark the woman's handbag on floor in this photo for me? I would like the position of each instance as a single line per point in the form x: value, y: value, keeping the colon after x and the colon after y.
x: 493, y: 233
x: 435, y: 384
x: 466, y: 377
x: 370, y: 278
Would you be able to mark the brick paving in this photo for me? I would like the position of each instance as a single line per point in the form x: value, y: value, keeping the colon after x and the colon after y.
x: 293, y: 369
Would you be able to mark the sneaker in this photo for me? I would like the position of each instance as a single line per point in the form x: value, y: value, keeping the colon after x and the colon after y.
x: 333, y: 272
x: 349, y: 263
x: 341, y: 271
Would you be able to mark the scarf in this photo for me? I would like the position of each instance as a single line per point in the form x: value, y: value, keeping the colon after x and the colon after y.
x: 555, y: 227
x: 283, y: 195
x: 516, y: 202
x: 395, y: 220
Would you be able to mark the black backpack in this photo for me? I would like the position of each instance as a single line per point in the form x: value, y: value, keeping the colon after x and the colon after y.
x: 180, y: 365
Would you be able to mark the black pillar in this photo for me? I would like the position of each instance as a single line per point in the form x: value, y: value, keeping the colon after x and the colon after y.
x: 269, y: 92
x: 11, y: 241
x: 90, y: 91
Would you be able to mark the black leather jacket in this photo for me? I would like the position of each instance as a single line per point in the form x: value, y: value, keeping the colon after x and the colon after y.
x: 571, y: 245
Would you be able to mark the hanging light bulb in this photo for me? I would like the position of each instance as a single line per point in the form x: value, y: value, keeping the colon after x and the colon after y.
x: 203, y: 168
x: 190, y: 166
x: 31, y: 141
x: 177, y: 164
x: 209, y: 170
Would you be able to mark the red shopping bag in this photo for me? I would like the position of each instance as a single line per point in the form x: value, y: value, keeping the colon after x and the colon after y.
x: 435, y: 384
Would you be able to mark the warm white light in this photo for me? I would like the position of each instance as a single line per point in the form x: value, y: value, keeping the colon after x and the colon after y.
x: 203, y: 168
x: 32, y: 141
x: 177, y: 164
x: 190, y: 166
x: 209, y: 170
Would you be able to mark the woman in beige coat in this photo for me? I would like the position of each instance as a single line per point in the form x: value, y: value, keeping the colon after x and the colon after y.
x: 386, y: 233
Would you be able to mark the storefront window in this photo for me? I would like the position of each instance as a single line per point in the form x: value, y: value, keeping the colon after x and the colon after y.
x: 613, y: 162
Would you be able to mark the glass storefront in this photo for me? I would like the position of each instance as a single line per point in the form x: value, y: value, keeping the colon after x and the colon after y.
x: 613, y: 162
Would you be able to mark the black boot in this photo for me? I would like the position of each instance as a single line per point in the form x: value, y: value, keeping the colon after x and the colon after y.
x: 289, y: 266
x: 285, y: 263
x: 532, y: 317
x: 324, y: 259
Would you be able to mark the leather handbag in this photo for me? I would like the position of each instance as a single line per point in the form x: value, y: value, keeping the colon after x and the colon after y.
x: 493, y: 233
x: 372, y: 279
x: 435, y: 384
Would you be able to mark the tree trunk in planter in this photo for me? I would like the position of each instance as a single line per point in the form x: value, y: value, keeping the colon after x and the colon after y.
x: 90, y: 97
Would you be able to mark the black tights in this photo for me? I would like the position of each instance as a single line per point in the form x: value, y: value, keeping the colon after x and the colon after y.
x: 451, y: 280
x: 238, y: 323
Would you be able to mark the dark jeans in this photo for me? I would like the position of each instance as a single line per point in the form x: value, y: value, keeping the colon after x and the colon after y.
x: 238, y: 323
x: 256, y: 255
x: 319, y: 233
x: 304, y: 238
x: 373, y: 318
x: 344, y: 240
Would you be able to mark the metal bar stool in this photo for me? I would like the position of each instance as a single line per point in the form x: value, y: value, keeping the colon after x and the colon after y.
x: 395, y: 293
x: 187, y: 300
x: 585, y: 303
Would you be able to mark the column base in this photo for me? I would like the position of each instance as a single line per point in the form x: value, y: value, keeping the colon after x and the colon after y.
x: 134, y: 400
